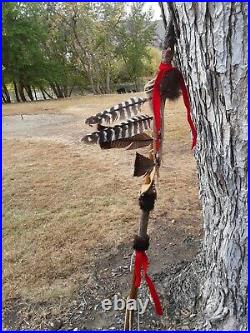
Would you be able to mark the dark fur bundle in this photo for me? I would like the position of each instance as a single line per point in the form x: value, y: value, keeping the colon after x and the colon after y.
x: 170, y: 85
x: 141, y: 244
x: 147, y: 201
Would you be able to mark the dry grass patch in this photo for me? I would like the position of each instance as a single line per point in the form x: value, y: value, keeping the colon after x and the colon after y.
x: 72, y: 105
x: 58, y: 208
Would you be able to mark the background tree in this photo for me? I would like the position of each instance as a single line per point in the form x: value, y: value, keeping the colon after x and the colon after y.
x: 22, y: 55
x: 135, y: 37
x: 35, y: 52
x: 59, y: 54
x: 212, y: 53
x: 93, y: 28
x: 56, y: 47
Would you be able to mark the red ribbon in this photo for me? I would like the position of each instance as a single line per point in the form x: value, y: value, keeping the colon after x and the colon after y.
x: 156, y: 100
x: 141, y: 262
x: 189, y: 119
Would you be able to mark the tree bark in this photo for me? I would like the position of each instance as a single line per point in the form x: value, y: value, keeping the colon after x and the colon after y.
x: 3, y: 98
x: 65, y: 91
x: 71, y: 90
x: 34, y: 89
x: 29, y: 92
x: 6, y: 94
x: 212, y: 54
x: 53, y: 88
x: 16, y: 91
x: 45, y: 92
x: 108, y: 82
x: 59, y: 90
x: 44, y: 96
x: 21, y: 91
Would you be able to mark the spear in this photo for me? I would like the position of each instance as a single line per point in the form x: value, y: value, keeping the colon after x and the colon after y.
x: 147, y: 191
x: 135, y: 133
x: 157, y: 90
x: 147, y: 199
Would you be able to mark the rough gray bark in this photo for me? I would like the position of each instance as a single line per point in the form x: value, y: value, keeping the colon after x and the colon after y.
x: 212, y: 53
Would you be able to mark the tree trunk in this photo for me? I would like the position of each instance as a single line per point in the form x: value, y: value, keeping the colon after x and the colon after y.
x: 29, y: 92
x: 45, y: 92
x: 71, y: 89
x: 21, y: 92
x: 136, y: 83
x: 56, y: 89
x: 34, y: 89
x: 16, y: 91
x: 65, y: 91
x: 108, y: 77
x: 4, y: 100
x: 53, y: 87
x: 59, y: 90
x: 44, y: 96
x: 212, y: 54
x: 6, y: 94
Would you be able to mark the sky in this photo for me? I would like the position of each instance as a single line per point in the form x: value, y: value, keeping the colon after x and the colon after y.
x: 156, y: 9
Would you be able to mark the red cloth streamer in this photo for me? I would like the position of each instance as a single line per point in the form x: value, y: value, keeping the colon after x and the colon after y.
x: 189, y: 119
x: 141, y: 262
x: 156, y: 100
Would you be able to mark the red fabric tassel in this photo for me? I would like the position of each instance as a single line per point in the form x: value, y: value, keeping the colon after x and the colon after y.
x: 189, y: 119
x: 156, y: 100
x: 141, y: 262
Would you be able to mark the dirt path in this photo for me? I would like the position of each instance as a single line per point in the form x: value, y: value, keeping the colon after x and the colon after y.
x: 58, y: 120
x: 51, y: 126
x: 77, y: 184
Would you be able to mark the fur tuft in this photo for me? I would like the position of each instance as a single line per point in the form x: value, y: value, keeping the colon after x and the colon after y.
x: 170, y: 85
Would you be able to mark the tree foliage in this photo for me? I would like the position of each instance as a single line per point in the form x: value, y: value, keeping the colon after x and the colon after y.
x: 135, y: 36
x: 56, y: 47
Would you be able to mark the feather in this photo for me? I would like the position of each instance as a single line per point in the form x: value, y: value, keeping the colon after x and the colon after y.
x: 125, y: 130
x: 148, y: 88
x: 138, y: 141
x: 120, y: 111
x: 142, y: 165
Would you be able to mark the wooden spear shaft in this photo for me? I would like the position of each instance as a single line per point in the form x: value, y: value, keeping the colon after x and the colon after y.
x: 133, y: 291
x: 143, y: 227
x: 167, y: 56
x: 142, y: 232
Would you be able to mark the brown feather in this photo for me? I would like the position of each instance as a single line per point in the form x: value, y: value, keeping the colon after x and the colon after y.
x: 125, y: 130
x: 142, y: 165
x: 121, y: 111
x: 137, y: 141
